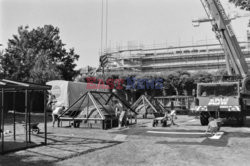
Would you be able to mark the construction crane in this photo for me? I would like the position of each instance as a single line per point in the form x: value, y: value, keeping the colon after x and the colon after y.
x: 228, y: 98
x: 235, y: 61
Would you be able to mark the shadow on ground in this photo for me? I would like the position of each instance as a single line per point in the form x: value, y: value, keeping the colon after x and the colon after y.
x: 59, y: 148
x: 15, y: 160
x: 222, y: 142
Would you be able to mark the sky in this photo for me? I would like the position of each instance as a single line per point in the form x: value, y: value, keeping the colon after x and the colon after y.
x: 148, y: 22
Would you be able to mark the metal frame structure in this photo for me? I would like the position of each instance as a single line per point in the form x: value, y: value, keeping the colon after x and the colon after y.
x: 15, y: 86
x: 152, y: 102
x: 99, y: 100
x: 182, y: 103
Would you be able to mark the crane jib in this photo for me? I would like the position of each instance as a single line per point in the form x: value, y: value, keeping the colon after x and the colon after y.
x: 236, y: 63
x: 230, y: 30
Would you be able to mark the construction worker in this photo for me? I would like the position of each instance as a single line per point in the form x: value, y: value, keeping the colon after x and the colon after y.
x: 51, y: 102
x: 173, y: 116
x: 123, y: 118
x: 118, y: 112
x: 55, y: 113
x: 212, y: 127
x: 118, y: 108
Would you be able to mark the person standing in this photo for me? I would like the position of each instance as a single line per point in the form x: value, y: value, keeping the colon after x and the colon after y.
x: 51, y: 102
x: 123, y: 118
x: 58, y: 110
x: 121, y: 114
x: 173, y: 116
x: 118, y: 108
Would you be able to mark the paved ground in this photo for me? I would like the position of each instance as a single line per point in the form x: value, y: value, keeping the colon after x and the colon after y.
x: 141, y: 144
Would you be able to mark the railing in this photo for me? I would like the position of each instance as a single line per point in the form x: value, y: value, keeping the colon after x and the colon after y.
x: 200, y: 45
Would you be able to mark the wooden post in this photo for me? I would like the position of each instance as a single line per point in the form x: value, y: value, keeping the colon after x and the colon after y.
x: 88, y: 109
x: 14, y: 114
x: 45, y: 118
x: 29, y: 116
x: 131, y: 118
x: 26, y: 117
x: 143, y: 103
x: 2, y: 120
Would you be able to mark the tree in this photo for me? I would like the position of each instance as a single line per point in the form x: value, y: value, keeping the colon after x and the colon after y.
x: 202, y: 76
x: 1, y: 69
x: 243, y: 4
x: 221, y: 72
x: 43, y: 70
x: 67, y: 66
x: 179, y: 81
x: 30, y: 51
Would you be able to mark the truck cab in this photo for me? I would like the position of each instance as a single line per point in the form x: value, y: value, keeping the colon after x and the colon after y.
x: 223, y: 100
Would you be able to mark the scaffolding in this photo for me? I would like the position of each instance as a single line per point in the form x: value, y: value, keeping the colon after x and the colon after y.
x: 202, y: 56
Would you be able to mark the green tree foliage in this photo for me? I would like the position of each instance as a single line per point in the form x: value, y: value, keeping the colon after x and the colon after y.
x: 202, y: 76
x: 38, y: 55
x: 243, y: 4
x: 1, y: 69
x: 175, y: 82
x: 221, y: 72
x: 179, y: 81
x: 43, y: 70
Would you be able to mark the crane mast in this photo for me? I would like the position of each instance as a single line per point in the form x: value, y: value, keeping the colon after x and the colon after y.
x: 235, y: 61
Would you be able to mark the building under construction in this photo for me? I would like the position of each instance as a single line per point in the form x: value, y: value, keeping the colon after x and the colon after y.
x: 206, y: 57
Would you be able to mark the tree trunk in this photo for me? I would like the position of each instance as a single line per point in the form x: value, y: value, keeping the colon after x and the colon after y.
x: 164, y: 92
x: 126, y: 96
x: 176, y: 91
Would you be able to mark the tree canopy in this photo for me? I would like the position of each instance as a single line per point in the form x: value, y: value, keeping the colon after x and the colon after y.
x: 243, y: 4
x: 38, y: 55
x: 179, y: 81
x: 174, y: 82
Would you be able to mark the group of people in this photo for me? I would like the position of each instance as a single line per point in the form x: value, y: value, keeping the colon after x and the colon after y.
x: 213, y: 126
x: 168, y: 116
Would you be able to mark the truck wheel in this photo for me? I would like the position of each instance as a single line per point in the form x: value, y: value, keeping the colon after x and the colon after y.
x: 204, y: 119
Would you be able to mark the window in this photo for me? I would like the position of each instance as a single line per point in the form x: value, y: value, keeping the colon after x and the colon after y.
x: 218, y: 90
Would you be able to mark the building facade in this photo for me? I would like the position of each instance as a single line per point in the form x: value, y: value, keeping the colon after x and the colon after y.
x: 208, y: 57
